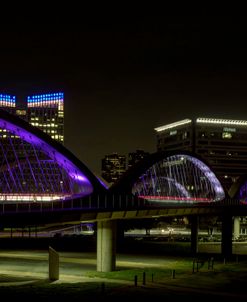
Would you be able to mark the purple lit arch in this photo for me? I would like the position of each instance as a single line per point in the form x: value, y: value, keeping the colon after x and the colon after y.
x: 179, y: 177
x: 35, y: 167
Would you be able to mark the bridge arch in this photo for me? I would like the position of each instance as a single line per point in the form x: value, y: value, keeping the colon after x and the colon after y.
x: 34, y: 167
x: 172, y: 176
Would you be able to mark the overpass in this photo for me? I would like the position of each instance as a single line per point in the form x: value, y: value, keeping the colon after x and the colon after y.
x: 109, y: 209
x: 41, y: 182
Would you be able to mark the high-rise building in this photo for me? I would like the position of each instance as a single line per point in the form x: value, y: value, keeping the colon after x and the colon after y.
x: 8, y: 103
x: 113, y: 166
x: 134, y: 157
x: 222, y: 143
x: 44, y: 111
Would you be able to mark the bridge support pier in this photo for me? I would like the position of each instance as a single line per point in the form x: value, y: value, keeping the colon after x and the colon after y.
x: 226, y: 242
x: 106, y: 246
x: 194, y: 234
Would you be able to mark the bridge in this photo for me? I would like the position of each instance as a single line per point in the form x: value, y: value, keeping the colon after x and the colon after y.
x: 41, y: 182
x: 108, y: 207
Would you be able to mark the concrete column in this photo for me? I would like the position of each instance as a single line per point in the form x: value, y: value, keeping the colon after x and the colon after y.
x: 106, y: 246
x: 236, y: 227
x: 226, y: 242
x: 194, y: 234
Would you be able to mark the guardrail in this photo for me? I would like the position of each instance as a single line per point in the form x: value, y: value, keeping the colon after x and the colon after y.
x: 107, y: 202
x: 92, y: 203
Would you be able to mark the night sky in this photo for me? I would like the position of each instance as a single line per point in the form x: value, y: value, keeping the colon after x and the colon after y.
x: 124, y: 77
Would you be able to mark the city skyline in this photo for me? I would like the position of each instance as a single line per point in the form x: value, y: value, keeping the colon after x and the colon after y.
x: 121, y: 79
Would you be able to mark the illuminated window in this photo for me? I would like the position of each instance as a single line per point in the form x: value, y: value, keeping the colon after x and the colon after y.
x: 227, y: 135
x: 21, y: 112
x: 174, y: 132
x: 185, y: 135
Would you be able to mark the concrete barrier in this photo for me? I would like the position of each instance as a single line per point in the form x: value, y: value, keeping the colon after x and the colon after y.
x: 53, y: 264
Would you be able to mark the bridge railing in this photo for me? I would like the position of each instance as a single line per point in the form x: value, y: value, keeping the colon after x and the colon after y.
x: 107, y: 202
x: 103, y: 203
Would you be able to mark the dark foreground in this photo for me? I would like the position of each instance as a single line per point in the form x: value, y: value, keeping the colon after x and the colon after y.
x: 173, y: 278
x: 228, y: 286
x: 225, y: 281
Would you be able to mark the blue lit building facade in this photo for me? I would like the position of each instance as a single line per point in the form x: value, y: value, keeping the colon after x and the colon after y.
x: 8, y: 102
x: 44, y: 111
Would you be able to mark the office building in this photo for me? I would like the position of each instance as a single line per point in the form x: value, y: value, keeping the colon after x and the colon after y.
x: 8, y: 103
x: 134, y: 157
x: 112, y: 167
x: 44, y: 111
x: 222, y: 143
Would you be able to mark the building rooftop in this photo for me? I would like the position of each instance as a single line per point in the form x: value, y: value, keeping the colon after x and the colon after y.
x: 203, y: 121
